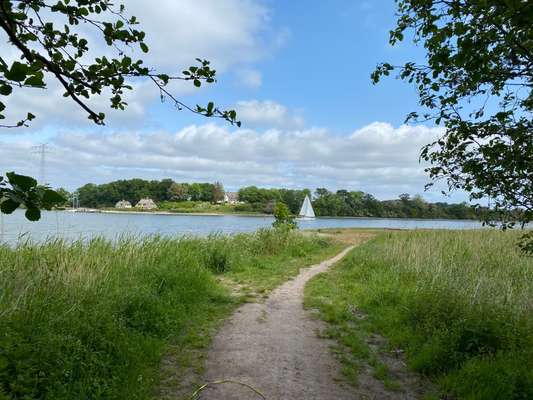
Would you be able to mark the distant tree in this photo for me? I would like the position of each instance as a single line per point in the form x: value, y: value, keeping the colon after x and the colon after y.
x: 66, y: 195
x: 283, y: 218
x: 293, y: 198
x: 218, y: 192
x: 405, y: 198
x: 195, y: 191
x: 477, y: 82
x: 321, y: 192
x: 250, y: 194
x: 52, y: 43
x: 159, y: 189
x: 178, y: 191
x: 206, y: 192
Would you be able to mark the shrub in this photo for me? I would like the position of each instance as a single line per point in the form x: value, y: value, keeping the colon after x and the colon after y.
x: 283, y: 217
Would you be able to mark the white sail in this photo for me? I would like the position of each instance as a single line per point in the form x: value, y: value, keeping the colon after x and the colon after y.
x: 307, y: 209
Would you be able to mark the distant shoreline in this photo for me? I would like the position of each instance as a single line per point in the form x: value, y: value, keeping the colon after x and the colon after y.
x: 212, y: 214
x: 161, y: 212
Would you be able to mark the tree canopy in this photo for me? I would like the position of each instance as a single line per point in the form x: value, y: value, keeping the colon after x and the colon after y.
x: 478, y: 83
x: 55, y: 40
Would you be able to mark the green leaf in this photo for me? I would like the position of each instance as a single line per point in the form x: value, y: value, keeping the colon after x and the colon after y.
x: 8, y: 206
x: 126, y: 62
x: 164, y: 77
x: 197, y: 83
x: 144, y: 47
x: 17, y: 72
x: 33, y: 214
x: 36, y: 80
x: 22, y: 181
x: 5, y: 90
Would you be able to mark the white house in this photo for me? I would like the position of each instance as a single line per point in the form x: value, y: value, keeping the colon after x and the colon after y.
x: 146, y: 204
x: 231, y: 197
x: 123, y: 204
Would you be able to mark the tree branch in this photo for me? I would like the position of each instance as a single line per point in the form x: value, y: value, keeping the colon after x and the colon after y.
x: 51, y: 67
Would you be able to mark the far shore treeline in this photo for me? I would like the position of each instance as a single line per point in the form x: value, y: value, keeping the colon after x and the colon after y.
x: 170, y: 195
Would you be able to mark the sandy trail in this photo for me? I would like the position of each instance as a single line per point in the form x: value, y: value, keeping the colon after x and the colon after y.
x: 274, y: 347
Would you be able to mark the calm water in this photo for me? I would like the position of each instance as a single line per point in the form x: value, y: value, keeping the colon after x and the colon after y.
x: 82, y: 225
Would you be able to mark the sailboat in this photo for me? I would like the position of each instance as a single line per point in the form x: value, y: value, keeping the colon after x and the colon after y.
x: 307, y: 212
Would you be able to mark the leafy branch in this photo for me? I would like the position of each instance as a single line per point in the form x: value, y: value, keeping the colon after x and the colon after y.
x: 59, y: 50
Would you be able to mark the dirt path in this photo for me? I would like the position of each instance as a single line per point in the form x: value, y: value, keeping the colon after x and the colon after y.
x: 274, y: 347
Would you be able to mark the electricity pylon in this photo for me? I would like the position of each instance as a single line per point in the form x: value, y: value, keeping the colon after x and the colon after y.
x: 42, y: 151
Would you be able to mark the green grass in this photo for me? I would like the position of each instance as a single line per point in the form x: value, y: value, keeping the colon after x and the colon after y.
x: 261, y: 274
x: 458, y: 303
x: 93, y: 320
x: 193, y: 207
x: 203, y: 207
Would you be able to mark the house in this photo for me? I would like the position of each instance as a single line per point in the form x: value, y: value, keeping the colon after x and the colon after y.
x: 231, y: 197
x: 123, y: 204
x: 146, y: 204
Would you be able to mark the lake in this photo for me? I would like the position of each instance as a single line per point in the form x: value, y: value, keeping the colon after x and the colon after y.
x: 71, y: 226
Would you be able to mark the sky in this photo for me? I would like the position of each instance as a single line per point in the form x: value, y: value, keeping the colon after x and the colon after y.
x: 299, y: 78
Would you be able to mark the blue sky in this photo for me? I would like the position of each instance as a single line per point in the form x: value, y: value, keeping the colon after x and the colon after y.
x: 299, y: 78
x: 323, y: 66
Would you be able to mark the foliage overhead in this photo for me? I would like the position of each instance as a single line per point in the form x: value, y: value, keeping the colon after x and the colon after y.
x: 49, y: 36
x: 477, y: 82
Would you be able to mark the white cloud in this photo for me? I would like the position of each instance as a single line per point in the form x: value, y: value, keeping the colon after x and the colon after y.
x: 377, y: 158
x: 250, y: 78
x: 226, y: 32
x: 267, y: 114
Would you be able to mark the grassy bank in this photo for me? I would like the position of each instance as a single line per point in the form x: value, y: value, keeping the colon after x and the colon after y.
x: 460, y: 304
x: 202, y: 207
x: 195, y: 208
x: 93, y: 320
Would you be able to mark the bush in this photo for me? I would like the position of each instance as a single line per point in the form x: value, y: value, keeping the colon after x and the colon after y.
x: 284, y: 218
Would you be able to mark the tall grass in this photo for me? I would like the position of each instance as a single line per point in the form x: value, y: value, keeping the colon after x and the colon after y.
x: 459, y: 303
x: 92, y: 320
